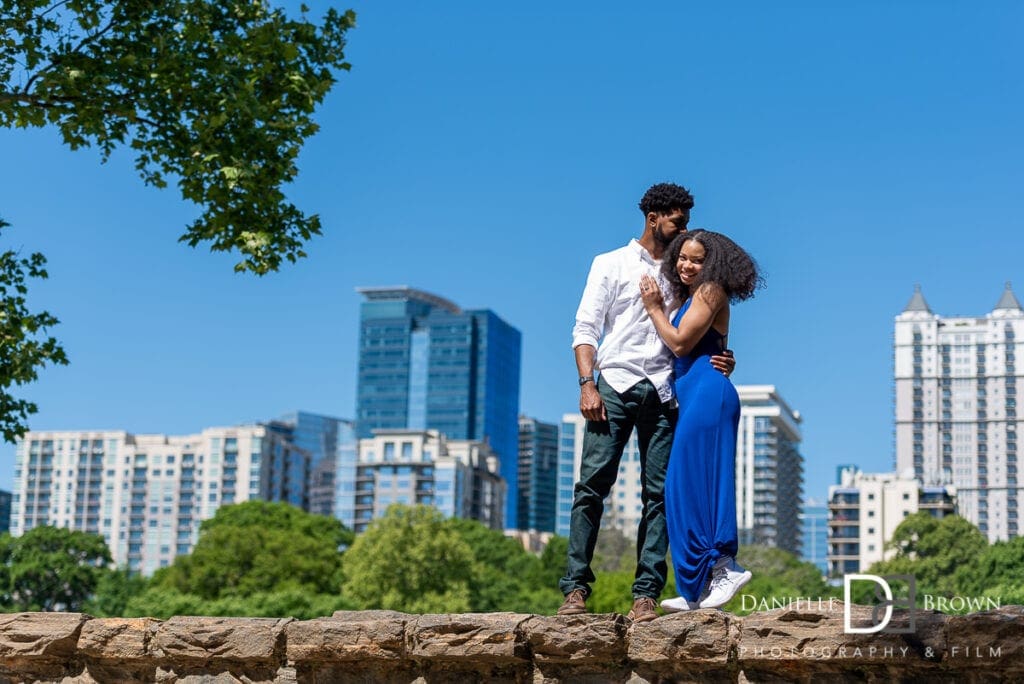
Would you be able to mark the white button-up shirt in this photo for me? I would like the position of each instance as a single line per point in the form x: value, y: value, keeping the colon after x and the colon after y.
x: 612, y: 319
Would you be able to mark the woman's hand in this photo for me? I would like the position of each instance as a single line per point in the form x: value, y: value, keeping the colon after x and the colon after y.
x: 651, y: 293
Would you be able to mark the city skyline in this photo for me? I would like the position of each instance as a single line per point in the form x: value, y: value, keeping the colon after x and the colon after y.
x: 488, y: 154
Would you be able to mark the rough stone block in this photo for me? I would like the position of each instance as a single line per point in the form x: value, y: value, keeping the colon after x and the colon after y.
x: 348, y: 636
x: 700, y: 638
x: 40, y: 634
x: 242, y: 640
x: 595, y: 638
x: 119, y: 639
x: 988, y: 639
x: 480, y: 637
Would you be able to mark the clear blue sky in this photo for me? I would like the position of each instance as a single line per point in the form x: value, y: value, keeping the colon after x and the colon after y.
x: 486, y: 152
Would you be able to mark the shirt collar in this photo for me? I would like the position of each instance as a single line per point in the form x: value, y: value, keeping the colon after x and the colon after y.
x: 635, y: 245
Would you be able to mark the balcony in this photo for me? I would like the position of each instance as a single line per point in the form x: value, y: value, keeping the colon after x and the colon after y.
x: 844, y: 533
x: 844, y: 518
x: 845, y: 501
x: 847, y: 550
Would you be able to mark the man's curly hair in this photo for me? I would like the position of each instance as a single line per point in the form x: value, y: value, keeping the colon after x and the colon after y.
x: 725, y: 263
x: 664, y: 197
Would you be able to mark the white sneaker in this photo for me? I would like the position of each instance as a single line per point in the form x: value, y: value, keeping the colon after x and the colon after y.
x: 678, y: 605
x: 727, y: 578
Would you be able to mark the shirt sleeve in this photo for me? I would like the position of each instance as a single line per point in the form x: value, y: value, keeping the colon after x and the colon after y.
x: 592, y: 312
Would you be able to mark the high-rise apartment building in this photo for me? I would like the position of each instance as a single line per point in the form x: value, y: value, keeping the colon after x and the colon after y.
x: 458, y: 477
x: 538, y: 473
x: 956, y: 381
x: 769, y: 469
x: 147, y: 494
x: 5, y: 511
x: 318, y: 436
x: 866, y: 508
x: 424, y: 363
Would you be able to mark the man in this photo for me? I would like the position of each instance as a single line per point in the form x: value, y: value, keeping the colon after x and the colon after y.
x: 614, y: 335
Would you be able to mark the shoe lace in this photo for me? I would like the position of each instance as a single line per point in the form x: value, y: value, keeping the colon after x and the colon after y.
x: 719, y: 575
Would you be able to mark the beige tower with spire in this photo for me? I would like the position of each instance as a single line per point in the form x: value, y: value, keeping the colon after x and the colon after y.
x: 957, y: 380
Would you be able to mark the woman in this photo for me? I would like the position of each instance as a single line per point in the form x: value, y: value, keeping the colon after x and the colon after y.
x: 707, y: 271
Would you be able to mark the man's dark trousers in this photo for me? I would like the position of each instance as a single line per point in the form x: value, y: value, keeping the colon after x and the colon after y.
x: 603, y: 444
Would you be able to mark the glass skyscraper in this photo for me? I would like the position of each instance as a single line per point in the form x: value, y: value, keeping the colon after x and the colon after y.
x: 424, y: 363
x: 814, y: 527
x: 538, y: 473
x: 318, y: 435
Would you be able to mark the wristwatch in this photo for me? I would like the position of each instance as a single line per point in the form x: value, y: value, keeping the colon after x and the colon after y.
x: 584, y: 379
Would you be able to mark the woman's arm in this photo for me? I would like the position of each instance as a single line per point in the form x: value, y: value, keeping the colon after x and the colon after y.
x: 707, y: 302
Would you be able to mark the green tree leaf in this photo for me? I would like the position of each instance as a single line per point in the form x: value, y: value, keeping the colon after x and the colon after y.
x: 193, y: 87
x: 24, y: 344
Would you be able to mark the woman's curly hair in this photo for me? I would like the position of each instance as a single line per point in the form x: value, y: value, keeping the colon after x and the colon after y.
x: 725, y: 263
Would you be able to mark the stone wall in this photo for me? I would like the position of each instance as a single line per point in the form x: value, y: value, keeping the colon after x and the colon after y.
x: 787, y: 644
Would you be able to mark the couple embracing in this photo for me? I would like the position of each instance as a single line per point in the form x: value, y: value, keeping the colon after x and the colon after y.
x: 668, y: 379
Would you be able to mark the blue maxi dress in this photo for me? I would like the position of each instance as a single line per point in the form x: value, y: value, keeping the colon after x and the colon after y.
x: 700, y: 486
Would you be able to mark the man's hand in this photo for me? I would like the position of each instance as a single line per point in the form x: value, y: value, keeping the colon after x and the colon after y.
x: 725, y: 362
x: 591, y: 405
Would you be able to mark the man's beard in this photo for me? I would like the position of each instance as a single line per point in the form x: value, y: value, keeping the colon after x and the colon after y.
x: 659, y: 235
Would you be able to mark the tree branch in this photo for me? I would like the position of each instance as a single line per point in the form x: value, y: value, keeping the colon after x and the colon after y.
x: 53, y: 62
x: 59, y: 101
x: 51, y: 8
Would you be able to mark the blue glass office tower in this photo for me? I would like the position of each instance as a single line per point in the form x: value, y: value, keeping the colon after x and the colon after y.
x: 814, y: 527
x: 424, y: 363
x: 319, y: 436
x: 538, y: 475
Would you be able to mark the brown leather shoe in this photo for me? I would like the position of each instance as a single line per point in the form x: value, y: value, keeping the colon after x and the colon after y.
x: 575, y: 603
x: 643, y: 610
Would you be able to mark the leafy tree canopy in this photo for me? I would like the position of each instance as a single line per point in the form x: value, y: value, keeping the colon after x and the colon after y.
x: 217, y: 94
x: 505, y: 576
x: 995, y: 573
x: 932, y: 550
x: 51, y: 568
x: 259, y: 546
x: 24, y: 344
x: 410, y: 560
